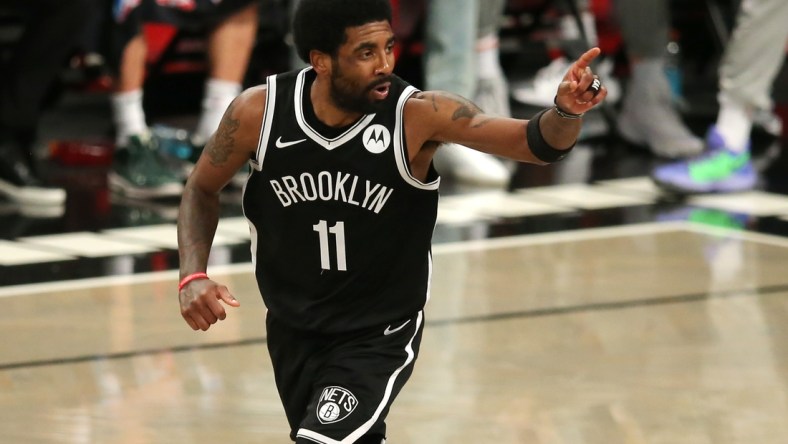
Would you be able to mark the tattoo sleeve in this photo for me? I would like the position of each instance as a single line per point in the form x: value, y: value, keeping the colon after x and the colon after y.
x: 224, y: 141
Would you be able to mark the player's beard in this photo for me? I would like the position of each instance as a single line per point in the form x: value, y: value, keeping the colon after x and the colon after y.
x: 350, y: 96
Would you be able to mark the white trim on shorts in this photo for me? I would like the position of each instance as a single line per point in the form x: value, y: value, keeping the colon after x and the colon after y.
x: 359, y: 432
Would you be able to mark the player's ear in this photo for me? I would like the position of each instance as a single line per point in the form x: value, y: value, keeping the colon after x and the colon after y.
x: 321, y: 62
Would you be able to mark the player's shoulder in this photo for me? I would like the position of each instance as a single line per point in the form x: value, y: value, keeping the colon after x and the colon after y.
x: 252, y: 97
x: 249, y: 105
x: 419, y: 102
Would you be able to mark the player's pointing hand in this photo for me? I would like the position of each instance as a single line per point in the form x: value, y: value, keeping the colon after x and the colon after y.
x: 580, y: 90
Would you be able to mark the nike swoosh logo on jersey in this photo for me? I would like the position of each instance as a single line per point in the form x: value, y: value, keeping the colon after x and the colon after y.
x: 280, y: 144
x: 390, y: 330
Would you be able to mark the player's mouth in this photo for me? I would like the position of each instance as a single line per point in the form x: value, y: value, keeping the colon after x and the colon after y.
x: 380, y: 92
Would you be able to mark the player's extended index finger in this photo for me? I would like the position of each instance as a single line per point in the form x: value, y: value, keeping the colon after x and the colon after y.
x: 585, y: 60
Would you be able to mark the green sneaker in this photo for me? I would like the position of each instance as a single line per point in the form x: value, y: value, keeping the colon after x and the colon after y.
x: 718, y: 170
x: 139, y: 172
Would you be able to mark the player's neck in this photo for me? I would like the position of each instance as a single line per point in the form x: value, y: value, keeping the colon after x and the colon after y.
x: 326, y: 110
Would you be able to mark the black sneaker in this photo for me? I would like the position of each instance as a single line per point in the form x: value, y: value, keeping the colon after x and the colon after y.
x: 19, y: 180
x: 139, y: 172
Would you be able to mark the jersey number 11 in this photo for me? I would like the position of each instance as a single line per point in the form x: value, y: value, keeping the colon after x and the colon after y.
x: 338, y: 230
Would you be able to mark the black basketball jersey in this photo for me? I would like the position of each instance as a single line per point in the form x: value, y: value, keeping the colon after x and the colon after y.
x: 341, y: 230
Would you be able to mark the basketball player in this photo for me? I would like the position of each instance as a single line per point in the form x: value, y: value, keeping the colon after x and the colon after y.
x: 341, y: 202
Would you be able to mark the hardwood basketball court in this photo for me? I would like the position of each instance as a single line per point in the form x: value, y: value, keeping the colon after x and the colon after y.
x: 651, y: 333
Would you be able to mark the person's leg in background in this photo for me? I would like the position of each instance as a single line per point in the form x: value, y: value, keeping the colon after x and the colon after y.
x: 233, y: 24
x: 749, y: 67
x: 128, y: 113
x: 450, y: 65
x: 449, y: 58
x: 750, y: 64
x: 492, y: 89
x: 230, y: 46
x: 51, y: 29
x: 138, y: 171
x: 648, y: 114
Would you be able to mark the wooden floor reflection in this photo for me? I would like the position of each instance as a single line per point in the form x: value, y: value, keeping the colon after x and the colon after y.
x: 665, y: 333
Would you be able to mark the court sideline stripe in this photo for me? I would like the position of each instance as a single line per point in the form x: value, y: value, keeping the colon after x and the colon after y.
x: 437, y: 249
x: 771, y: 290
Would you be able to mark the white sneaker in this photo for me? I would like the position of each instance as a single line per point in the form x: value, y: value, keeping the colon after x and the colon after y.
x: 648, y: 116
x: 32, y: 194
x: 542, y: 89
x: 470, y: 166
x: 659, y: 127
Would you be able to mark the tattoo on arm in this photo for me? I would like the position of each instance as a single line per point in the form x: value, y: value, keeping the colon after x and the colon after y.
x: 431, y: 97
x: 483, y: 122
x: 224, y: 140
x: 465, y: 108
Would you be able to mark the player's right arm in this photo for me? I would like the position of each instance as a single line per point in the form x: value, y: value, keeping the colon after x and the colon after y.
x: 228, y: 149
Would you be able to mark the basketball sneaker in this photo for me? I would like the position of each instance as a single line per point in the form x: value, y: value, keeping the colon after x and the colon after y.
x: 540, y: 91
x: 718, y: 170
x: 173, y: 142
x: 176, y: 149
x: 139, y: 172
x: 20, y: 181
x: 649, y: 117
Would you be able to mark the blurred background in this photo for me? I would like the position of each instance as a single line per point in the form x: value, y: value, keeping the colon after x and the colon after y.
x: 97, y: 228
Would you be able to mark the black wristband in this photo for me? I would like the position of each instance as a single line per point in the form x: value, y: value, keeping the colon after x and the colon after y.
x: 539, y: 147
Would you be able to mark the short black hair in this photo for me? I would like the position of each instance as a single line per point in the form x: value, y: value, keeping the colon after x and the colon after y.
x: 321, y: 24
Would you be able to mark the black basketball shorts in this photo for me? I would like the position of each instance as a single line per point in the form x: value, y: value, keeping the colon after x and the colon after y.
x: 338, y: 388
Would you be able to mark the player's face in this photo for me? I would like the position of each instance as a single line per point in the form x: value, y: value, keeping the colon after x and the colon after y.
x: 361, y: 74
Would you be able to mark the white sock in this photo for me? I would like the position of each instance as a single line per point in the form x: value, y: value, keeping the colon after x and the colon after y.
x: 128, y: 115
x: 489, y: 65
x: 734, y: 123
x: 216, y: 98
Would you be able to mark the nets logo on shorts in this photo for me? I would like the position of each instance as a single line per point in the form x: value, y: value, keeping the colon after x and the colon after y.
x: 335, y: 404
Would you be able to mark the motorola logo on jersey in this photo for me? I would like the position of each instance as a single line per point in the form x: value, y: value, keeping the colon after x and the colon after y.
x: 376, y: 139
x: 335, y: 404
